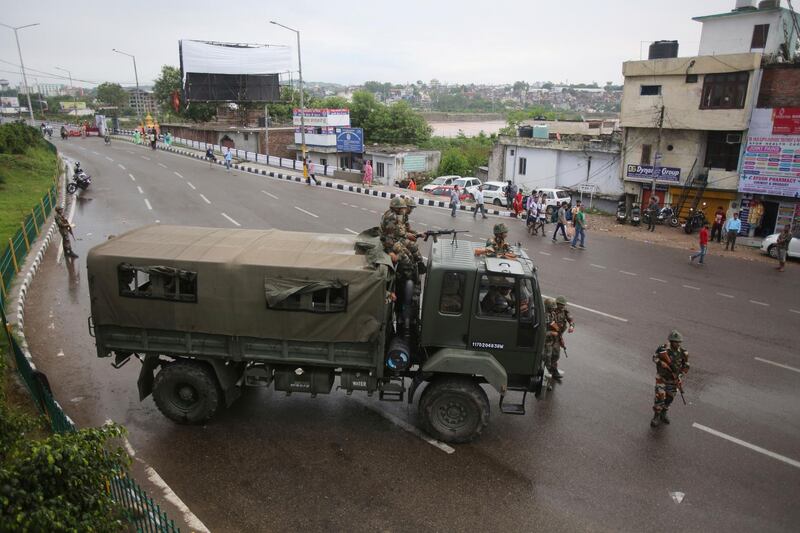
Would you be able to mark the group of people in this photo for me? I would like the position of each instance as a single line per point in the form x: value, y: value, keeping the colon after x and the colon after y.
x: 146, y: 136
x: 227, y: 157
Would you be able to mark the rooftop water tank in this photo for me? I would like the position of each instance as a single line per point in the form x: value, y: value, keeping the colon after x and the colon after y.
x: 526, y: 131
x: 541, y: 131
x: 768, y: 4
x: 745, y: 5
x: 663, y: 50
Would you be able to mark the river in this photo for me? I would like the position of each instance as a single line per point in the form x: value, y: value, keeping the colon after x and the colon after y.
x: 470, y: 129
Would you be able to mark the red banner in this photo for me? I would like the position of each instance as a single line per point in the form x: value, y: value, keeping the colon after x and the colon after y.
x: 786, y: 121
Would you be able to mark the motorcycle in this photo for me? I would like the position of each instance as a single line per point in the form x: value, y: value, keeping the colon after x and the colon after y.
x: 622, y: 214
x: 79, y: 181
x: 107, y: 140
x: 76, y: 169
x: 695, y: 220
x: 666, y: 215
x: 636, y: 214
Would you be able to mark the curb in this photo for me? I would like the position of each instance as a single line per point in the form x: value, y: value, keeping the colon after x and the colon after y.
x: 327, y: 184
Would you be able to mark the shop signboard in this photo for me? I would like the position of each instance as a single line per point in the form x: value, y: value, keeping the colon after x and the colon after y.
x: 786, y: 121
x: 771, y: 165
x: 350, y: 140
x: 645, y: 172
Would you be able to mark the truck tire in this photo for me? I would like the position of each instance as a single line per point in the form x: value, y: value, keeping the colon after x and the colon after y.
x: 186, y: 392
x: 454, y: 409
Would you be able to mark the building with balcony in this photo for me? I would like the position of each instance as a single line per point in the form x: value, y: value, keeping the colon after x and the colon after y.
x: 686, y: 119
x: 141, y: 100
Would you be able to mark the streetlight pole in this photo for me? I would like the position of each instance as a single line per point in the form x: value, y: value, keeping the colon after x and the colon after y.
x: 136, y: 75
x: 22, y: 64
x: 74, y: 96
x: 302, y: 101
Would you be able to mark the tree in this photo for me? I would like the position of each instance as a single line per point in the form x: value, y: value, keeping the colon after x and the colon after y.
x: 112, y: 94
x: 395, y: 124
x: 166, y: 84
x: 520, y: 89
x: 453, y: 163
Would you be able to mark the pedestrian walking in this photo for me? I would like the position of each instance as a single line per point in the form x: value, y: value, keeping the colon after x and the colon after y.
x: 541, y: 216
x: 478, y: 195
x: 310, y: 172
x: 153, y: 139
x: 561, y: 222
x: 719, y: 222
x: 732, y: 228
x: 367, y: 174
x: 672, y: 363
x: 455, y: 200
x: 703, y: 245
x: 412, y: 185
x: 579, y: 220
x: 228, y: 158
x: 564, y: 323
x: 782, y: 247
x: 510, y: 193
x: 210, y: 156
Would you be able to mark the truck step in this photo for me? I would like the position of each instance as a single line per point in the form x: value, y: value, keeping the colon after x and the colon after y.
x: 513, y: 408
x: 394, y: 391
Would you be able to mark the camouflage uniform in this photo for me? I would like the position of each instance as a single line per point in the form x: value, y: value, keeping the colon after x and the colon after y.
x: 671, y: 362
x: 551, y: 336
x: 497, y: 246
x: 64, y: 228
x: 411, y: 245
x: 393, y: 236
x: 563, y: 321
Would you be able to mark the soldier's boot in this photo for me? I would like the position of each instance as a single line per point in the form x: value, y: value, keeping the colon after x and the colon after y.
x: 656, y: 420
x: 421, y: 268
x: 663, y: 416
x: 557, y: 374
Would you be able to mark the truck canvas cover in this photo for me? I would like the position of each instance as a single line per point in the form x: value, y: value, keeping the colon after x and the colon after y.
x: 241, y: 282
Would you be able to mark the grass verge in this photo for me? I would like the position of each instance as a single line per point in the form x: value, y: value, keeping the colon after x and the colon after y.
x: 25, y: 180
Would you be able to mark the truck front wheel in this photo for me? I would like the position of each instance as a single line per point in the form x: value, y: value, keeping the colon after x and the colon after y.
x: 454, y: 409
x: 186, y: 392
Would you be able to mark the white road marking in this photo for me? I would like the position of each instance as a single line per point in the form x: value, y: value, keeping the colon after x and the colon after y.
x: 140, y: 190
x: 787, y: 367
x: 422, y: 224
x: 273, y: 196
x: 162, y: 165
x: 753, y: 447
x: 147, y: 203
x: 628, y: 273
x: 121, y: 166
x: 132, y: 178
x: 373, y: 211
x: 402, y: 424
x: 725, y: 295
x: 677, y: 497
x: 596, y: 266
x: 765, y: 304
x: 343, y: 203
x: 177, y: 174
x: 545, y: 253
x: 794, y: 311
x: 306, y: 212
x: 351, y: 205
x: 60, y: 353
x: 129, y: 151
x: 77, y: 399
x: 607, y: 315
x: 567, y: 259
x: 144, y: 157
x: 659, y: 280
x: 95, y: 153
x: 189, y: 183
x: 437, y: 227
x: 467, y: 235
x: 351, y: 231
x: 692, y: 287
x: 364, y: 209
x: 108, y: 158
x: 204, y: 198
x: 229, y: 218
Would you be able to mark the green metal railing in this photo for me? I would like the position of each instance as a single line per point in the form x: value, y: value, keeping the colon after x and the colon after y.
x: 142, y: 512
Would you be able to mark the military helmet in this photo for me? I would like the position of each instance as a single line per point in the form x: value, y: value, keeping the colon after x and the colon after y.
x: 549, y: 303
x: 410, y: 202
x: 500, y: 228
x: 59, y: 209
x: 675, y: 336
x: 561, y: 300
x: 397, y: 203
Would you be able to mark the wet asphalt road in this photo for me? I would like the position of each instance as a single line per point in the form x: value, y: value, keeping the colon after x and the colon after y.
x: 584, y: 458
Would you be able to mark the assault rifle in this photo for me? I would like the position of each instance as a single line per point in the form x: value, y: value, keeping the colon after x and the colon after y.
x: 666, y: 363
x: 436, y: 233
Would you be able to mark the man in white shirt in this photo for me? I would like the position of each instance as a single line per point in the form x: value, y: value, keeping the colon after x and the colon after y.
x: 478, y: 195
x: 455, y: 200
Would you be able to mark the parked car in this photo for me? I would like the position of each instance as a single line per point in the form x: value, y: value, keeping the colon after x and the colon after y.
x: 469, y: 184
x: 445, y: 190
x: 494, y: 192
x: 441, y: 180
x: 768, y: 246
x: 554, y: 197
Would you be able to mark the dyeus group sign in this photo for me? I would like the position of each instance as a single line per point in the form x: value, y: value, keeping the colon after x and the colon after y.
x: 646, y: 172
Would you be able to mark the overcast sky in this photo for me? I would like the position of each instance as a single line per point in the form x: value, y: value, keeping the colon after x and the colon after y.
x: 495, y: 41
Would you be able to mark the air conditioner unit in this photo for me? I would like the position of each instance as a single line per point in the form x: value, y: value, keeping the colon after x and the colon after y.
x: 733, y: 138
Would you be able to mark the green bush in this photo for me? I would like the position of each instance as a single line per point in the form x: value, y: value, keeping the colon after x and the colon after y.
x: 17, y: 138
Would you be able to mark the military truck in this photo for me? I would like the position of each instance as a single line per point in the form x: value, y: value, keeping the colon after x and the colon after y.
x: 209, y: 311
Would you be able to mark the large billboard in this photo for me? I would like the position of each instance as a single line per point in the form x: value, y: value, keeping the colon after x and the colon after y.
x: 771, y: 165
x: 230, y: 72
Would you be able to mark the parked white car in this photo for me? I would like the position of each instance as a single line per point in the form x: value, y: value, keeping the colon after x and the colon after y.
x: 768, y: 246
x: 438, y: 182
x: 554, y: 197
x: 494, y: 192
x: 468, y: 184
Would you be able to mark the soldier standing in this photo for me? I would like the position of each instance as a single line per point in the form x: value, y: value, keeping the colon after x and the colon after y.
x: 551, y: 337
x: 565, y: 323
x: 672, y: 361
x: 65, y: 229
x: 393, y: 236
x: 412, y: 236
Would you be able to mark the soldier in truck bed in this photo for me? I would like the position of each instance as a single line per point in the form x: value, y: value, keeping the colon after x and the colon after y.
x: 394, y: 237
x: 497, y: 246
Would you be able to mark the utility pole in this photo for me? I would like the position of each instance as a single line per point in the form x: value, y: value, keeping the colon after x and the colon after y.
x: 74, y: 95
x: 266, y: 131
x: 302, y: 101
x: 138, y: 98
x: 657, y: 158
x: 22, y: 64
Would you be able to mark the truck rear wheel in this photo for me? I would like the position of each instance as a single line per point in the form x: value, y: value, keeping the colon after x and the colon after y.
x: 454, y: 409
x: 186, y: 392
